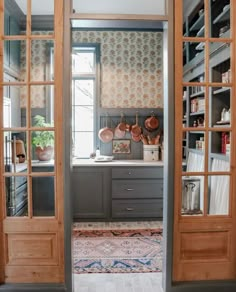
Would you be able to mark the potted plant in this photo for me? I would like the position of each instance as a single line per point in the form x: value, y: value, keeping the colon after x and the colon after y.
x: 43, y: 141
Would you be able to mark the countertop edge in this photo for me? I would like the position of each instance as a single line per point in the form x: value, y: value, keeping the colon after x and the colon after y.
x: 92, y: 163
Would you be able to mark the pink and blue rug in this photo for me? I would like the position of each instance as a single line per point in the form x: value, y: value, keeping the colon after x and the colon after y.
x: 117, y: 251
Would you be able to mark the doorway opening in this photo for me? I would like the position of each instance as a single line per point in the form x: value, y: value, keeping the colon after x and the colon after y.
x: 103, y: 208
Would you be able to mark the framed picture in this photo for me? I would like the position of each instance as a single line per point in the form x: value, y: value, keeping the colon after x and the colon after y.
x: 121, y: 146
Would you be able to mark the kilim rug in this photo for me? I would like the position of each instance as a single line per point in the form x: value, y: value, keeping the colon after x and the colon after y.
x: 117, y: 251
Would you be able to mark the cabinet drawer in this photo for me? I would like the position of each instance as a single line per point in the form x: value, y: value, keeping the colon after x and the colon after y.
x: 137, y: 172
x: 137, y: 189
x: 137, y: 208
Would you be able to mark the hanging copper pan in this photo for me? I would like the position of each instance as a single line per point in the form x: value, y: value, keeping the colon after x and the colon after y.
x: 106, y: 134
x: 151, y: 123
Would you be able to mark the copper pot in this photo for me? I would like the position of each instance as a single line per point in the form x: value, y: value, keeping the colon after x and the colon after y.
x: 120, y: 128
x: 105, y: 134
x: 136, y: 138
x: 151, y: 123
x: 136, y: 129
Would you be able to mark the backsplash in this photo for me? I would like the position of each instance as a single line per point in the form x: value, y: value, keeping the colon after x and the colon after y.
x: 136, y: 148
x: 131, y: 67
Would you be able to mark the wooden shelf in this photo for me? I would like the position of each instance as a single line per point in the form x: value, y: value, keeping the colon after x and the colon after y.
x: 220, y: 156
x: 199, y: 93
x: 197, y: 113
x: 201, y: 152
x: 196, y: 132
x: 198, y: 23
x: 224, y: 15
x: 201, y: 31
x: 221, y: 90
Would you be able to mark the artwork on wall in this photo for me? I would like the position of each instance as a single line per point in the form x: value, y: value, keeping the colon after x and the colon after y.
x: 121, y: 146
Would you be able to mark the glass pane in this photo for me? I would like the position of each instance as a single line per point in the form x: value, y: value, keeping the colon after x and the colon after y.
x: 218, y: 192
x: 16, y: 196
x: 84, y: 118
x: 192, y: 195
x: 220, y: 19
x: 43, y: 147
x: 42, y: 17
x: 195, y: 158
x: 13, y: 107
x: 83, y: 61
x: 194, y: 54
x: 194, y: 106
x: 220, y: 144
x: 42, y: 105
x: 15, y: 22
x: 15, y: 155
x: 43, y: 196
x: 220, y: 103
x: 84, y: 144
x: 193, y: 21
x: 83, y: 92
x: 42, y: 60
x: 14, y: 59
x: 220, y: 67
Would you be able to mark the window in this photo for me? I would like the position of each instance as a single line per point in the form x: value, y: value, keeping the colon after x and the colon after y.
x: 85, y: 60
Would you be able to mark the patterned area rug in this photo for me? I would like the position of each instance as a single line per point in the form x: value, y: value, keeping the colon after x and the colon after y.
x: 117, y: 251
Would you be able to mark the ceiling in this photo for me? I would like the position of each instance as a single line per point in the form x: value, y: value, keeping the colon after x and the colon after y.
x: 39, y: 7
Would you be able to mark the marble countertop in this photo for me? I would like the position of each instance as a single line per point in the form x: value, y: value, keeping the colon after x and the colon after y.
x: 91, y: 162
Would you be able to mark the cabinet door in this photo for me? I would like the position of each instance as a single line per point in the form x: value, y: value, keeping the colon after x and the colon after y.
x: 205, y: 186
x: 91, y: 189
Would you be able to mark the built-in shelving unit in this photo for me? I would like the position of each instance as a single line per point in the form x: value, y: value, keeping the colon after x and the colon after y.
x: 194, y: 111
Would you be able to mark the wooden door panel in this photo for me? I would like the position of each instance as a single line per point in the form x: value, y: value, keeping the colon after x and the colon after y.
x: 204, y: 246
x: 26, y: 249
x: 34, y: 274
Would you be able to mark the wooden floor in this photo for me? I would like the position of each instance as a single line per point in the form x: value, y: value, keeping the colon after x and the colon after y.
x: 132, y: 282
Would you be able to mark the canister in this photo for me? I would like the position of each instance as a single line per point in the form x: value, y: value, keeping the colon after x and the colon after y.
x: 151, y: 152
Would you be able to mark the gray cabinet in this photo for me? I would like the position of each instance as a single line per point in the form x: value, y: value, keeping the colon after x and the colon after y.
x: 137, y: 192
x: 91, y: 192
x: 112, y: 193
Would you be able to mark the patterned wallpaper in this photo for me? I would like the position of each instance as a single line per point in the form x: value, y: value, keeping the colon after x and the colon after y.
x: 131, y: 68
x: 39, y: 70
x: 132, y: 75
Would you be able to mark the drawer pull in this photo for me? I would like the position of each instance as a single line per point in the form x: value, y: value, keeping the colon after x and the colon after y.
x: 129, y: 173
x: 129, y: 190
x: 129, y: 209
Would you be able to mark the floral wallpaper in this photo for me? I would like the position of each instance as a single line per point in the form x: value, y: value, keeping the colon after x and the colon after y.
x: 131, y: 67
x: 39, y: 70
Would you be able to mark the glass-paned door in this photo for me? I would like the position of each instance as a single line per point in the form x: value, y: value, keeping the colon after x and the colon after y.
x: 30, y: 142
x: 205, y: 176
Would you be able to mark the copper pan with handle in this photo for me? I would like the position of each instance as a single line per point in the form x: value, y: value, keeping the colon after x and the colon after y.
x: 106, y: 134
